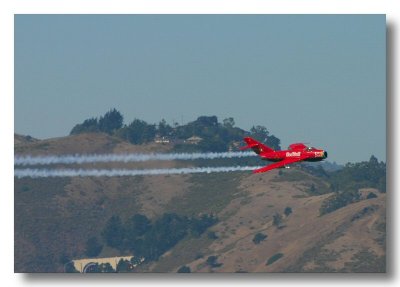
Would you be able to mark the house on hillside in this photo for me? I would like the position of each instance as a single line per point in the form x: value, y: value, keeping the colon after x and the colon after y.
x: 235, y: 146
x: 193, y: 140
x: 161, y: 140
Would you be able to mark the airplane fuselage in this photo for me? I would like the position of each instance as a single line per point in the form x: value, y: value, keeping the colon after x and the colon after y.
x: 314, y: 155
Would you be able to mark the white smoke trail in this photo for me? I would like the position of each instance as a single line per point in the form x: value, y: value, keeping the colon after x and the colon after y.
x: 36, y: 173
x: 95, y: 158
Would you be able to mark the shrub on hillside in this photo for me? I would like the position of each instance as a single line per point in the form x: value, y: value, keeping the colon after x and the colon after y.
x: 259, y: 237
x: 212, y: 261
x: 371, y: 195
x: 288, y: 211
x: 339, y: 200
x: 184, y: 269
x: 274, y: 258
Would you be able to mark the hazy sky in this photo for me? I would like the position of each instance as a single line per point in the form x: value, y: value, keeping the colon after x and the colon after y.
x: 318, y: 79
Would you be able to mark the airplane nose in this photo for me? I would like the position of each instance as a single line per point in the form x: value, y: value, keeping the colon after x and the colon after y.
x: 325, y: 154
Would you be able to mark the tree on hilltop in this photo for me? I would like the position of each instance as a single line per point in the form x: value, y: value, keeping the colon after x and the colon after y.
x: 261, y: 134
x: 111, y: 121
x: 164, y: 129
x: 89, y: 125
x: 229, y: 123
x: 138, y: 132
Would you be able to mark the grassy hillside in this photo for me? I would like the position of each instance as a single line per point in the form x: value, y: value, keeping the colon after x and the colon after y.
x: 305, y: 241
x: 54, y: 217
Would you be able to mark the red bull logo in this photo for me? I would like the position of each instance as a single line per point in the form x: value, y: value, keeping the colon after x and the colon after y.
x: 291, y: 154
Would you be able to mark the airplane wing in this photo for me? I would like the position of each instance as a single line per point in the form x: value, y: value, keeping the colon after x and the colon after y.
x: 279, y: 164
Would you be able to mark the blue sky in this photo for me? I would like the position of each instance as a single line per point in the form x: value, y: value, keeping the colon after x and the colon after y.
x: 314, y: 78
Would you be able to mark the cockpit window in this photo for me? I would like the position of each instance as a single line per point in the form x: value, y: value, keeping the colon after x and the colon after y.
x: 309, y: 149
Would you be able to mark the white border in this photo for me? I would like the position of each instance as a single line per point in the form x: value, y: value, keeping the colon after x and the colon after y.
x: 202, y: 6
x: 8, y: 8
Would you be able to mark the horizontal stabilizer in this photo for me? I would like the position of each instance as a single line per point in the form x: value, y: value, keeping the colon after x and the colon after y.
x: 248, y: 146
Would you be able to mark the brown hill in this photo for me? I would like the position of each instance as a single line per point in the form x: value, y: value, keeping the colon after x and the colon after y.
x: 54, y: 217
x: 20, y: 139
x: 347, y: 240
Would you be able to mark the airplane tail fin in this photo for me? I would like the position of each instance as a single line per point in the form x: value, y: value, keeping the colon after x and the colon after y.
x: 256, y: 146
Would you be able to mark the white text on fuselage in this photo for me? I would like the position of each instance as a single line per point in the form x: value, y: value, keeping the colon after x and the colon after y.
x: 290, y: 154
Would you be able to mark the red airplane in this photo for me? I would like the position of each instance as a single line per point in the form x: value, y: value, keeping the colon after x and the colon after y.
x: 297, y: 152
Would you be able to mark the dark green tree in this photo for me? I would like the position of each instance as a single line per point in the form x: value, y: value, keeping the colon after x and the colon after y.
x: 312, y: 189
x: 212, y: 235
x: 360, y: 175
x: 113, y: 233
x: 93, y: 247
x: 288, y: 211
x: 371, y: 195
x: 111, y: 121
x: 382, y: 183
x: 212, y: 261
x: 136, y: 260
x: 273, y: 142
x: 88, y: 126
x: 164, y: 129
x: 93, y: 268
x: 338, y: 200
x: 106, y: 268
x: 211, y: 121
x: 124, y: 266
x: 140, y: 224
x: 134, y: 229
x: 184, y: 269
x: 70, y: 268
x: 68, y: 264
x: 100, y: 268
x: 277, y: 220
x: 64, y: 258
x: 137, y: 225
x: 274, y: 258
x: 229, y: 123
x: 139, y: 132
x: 164, y: 234
x: 197, y: 226
x: 215, y: 144
x: 259, y: 133
x: 172, y: 228
x: 259, y: 237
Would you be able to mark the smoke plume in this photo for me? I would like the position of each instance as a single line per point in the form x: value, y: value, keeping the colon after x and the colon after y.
x: 37, y: 173
x: 95, y: 158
